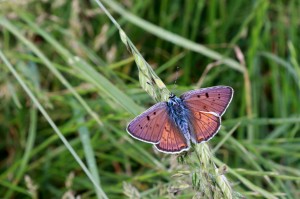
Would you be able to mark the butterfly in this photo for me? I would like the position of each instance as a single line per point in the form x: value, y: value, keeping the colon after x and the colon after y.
x: 194, y: 117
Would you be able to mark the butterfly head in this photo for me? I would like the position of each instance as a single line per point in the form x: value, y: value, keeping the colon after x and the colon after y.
x: 172, y: 95
x: 174, y: 101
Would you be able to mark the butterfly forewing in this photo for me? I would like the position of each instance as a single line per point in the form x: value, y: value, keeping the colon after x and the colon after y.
x: 204, y: 125
x: 172, y: 141
x: 213, y: 99
x: 149, y: 125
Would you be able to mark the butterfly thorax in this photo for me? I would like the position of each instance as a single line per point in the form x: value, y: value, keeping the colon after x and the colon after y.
x: 179, y: 115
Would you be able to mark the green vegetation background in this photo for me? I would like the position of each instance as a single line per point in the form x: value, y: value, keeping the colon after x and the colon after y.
x: 71, y: 58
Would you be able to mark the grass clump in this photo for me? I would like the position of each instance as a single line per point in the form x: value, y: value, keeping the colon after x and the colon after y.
x: 75, y: 70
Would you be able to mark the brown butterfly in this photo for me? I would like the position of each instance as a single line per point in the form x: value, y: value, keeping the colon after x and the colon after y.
x: 194, y: 117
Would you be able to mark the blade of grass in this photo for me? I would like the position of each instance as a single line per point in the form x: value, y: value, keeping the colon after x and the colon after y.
x: 14, y: 188
x: 268, y: 173
x: 247, y: 182
x: 281, y: 62
x: 106, y: 86
x: 52, y: 124
x: 263, y: 121
x: 149, y: 81
x: 216, y: 148
x: 174, y: 38
x: 50, y: 66
x: 84, y: 134
x: 28, y: 149
x: 170, y: 63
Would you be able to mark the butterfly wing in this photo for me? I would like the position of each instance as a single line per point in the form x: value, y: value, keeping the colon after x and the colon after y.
x: 204, y: 125
x: 206, y: 107
x: 172, y: 141
x: 213, y: 99
x: 149, y: 125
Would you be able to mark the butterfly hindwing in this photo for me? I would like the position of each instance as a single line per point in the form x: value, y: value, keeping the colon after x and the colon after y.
x: 204, y: 125
x: 172, y: 141
x: 213, y: 99
x: 149, y: 125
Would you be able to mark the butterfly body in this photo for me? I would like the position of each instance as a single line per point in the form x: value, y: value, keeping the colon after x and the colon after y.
x: 179, y: 115
x: 194, y: 117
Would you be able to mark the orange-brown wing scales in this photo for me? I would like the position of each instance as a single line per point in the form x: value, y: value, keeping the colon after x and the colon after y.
x: 172, y: 141
x: 213, y: 99
x: 207, y: 106
x: 146, y: 128
x: 205, y: 125
x: 149, y: 125
x: 213, y: 103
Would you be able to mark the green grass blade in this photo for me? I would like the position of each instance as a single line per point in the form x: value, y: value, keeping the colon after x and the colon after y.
x: 52, y: 124
x: 174, y: 38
